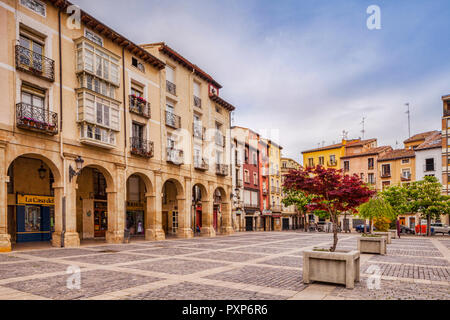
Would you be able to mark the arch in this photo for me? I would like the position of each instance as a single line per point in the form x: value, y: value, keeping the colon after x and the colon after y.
x: 106, y: 173
x: 203, y: 190
x: 178, y: 185
x: 50, y: 163
x: 147, y: 180
x: 223, y: 194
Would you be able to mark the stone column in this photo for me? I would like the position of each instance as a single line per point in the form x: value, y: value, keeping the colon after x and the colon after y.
x: 71, y: 237
x: 184, y: 203
x: 207, y: 219
x: 153, y: 214
x: 116, y: 208
x: 5, y: 238
x: 227, y: 227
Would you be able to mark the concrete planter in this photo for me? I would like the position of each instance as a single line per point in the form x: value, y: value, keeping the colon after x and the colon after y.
x: 394, y: 234
x: 372, y: 245
x: 331, y: 267
x: 385, y: 234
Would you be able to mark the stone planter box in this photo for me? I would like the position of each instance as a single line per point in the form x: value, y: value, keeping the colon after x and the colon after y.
x: 332, y: 267
x: 372, y: 245
x: 394, y: 234
x: 385, y: 234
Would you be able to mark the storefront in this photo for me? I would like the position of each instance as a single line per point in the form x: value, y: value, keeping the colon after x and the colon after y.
x: 35, y: 218
x: 267, y: 220
x: 100, y: 219
x: 135, y: 218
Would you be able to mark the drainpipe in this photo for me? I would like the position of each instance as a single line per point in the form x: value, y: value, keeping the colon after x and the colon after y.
x: 61, y: 146
x: 126, y: 237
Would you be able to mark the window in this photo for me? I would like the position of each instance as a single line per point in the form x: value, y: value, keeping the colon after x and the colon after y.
x: 247, y: 155
x: 246, y: 176
x: 346, y: 165
x: 406, y: 173
x: 321, y: 161
x: 404, y: 161
x: 32, y: 219
x: 218, y: 110
x: 370, y: 163
x: 311, y: 162
x: 332, y: 159
x: 97, y: 62
x: 170, y: 74
x: 135, y: 63
x: 196, y: 89
x: 255, y: 178
x: 174, y: 221
x: 429, y: 165
x: 371, y: 178
x: 137, y: 131
x: 99, y: 183
x: 93, y: 37
x: 255, y: 159
x: 386, y: 184
x: 362, y: 176
x: 386, y: 170
x: 36, y: 46
x: 35, y: 5
x: 97, y: 85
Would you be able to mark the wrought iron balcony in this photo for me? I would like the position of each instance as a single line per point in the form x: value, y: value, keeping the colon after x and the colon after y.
x: 197, y: 102
x: 171, y: 87
x: 275, y: 208
x: 141, y: 147
x: 36, y: 119
x: 239, y: 183
x: 35, y: 63
x: 139, y: 106
x: 175, y: 156
x: 172, y: 120
x: 201, y: 164
x: 222, y: 169
x: 199, y: 132
x: 251, y: 205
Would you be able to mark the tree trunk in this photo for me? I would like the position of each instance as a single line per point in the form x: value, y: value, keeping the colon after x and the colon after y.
x: 305, y: 224
x: 335, y: 233
x: 428, y: 226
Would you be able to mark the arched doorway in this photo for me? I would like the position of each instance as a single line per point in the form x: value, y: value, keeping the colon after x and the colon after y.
x: 222, y: 212
x: 136, y: 206
x: 93, y: 203
x: 31, y: 212
x: 200, y: 208
x: 173, y: 203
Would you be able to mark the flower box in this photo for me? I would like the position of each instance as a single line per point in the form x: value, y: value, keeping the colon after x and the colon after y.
x: 340, y: 267
x: 385, y: 234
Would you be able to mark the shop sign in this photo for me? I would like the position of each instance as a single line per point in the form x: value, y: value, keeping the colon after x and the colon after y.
x: 267, y: 212
x: 135, y: 205
x: 35, y: 200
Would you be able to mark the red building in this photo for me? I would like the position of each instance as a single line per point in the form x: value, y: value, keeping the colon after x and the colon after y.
x: 252, y: 199
x: 263, y: 148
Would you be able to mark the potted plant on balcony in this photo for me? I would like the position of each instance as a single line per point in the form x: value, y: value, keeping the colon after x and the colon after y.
x: 333, y: 193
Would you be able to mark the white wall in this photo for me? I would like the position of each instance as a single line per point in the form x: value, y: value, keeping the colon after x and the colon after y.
x: 421, y: 156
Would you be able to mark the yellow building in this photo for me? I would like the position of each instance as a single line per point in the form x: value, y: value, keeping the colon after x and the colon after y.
x: 275, y: 183
x: 330, y: 156
x: 99, y: 139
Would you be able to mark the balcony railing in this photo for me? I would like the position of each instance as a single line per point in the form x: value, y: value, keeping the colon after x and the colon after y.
x: 405, y: 176
x: 139, y: 106
x: 447, y: 112
x: 385, y: 174
x: 171, y: 87
x: 36, y: 119
x: 199, y: 132
x: 172, y: 120
x: 251, y: 205
x: 264, y: 191
x: 175, y: 156
x: 222, y: 169
x: 197, y: 102
x: 275, y: 189
x: 35, y: 63
x: 239, y: 183
x: 201, y: 164
x: 332, y: 163
x: 141, y: 147
x: 275, y: 208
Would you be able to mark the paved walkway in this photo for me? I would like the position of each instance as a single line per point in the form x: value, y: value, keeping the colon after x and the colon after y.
x: 244, y: 266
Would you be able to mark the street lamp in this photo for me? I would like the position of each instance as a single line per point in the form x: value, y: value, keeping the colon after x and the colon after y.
x: 42, y: 171
x: 79, y: 165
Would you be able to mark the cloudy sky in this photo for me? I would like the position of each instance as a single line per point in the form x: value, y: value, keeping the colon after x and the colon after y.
x: 304, y: 71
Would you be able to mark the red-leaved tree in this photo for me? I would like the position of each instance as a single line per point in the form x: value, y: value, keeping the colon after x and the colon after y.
x: 332, y: 191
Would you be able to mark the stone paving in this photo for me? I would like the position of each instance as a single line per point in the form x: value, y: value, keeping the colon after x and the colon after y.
x: 244, y: 266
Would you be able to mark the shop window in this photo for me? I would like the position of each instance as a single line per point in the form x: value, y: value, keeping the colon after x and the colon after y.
x: 174, y: 221
x: 99, y: 185
x: 32, y: 219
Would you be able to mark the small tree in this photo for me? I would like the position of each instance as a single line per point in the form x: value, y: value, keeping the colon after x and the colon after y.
x: 426, y: 197
x: 332, y: 191
x: 397, y: 197
x: 300, y: 200
x: 377, y: 209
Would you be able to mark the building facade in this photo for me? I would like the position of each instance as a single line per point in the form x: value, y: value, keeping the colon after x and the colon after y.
x: 290, y: 212
x: 108, y: 148
x: 446, y: 144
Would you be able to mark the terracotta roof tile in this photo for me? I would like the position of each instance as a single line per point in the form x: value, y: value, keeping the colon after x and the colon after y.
x: 369, y: 152
x: 431, y: 142
x: 420, y: 136
x: 397, y: 154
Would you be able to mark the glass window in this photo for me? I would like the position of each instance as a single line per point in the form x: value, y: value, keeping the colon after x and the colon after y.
x: 34, y: 5
x: 32, y: 219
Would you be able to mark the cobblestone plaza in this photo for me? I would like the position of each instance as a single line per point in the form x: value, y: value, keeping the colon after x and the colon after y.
x: 245, y: 266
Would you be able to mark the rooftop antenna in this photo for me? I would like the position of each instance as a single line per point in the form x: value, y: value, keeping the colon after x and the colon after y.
x: 363, y: 131
x: 232, y: 118
x: 323, y: 143
x: 396, y: 144
x: 409, y: 119
x: 344, y: 135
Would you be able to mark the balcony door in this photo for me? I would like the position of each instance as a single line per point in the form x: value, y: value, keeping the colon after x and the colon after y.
x: 33, y: 104
x: 33, y: 57
x: 137, y: 132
